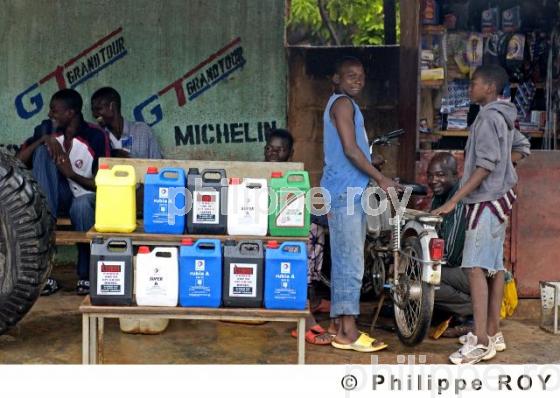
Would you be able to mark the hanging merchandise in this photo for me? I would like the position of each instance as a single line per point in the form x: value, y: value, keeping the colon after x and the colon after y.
x: 515, y: 56
x: 475, y: 51
x: 490, y: 20
x: 111, y: 271
x: 430, y: 12
x: 523, y: 100
x: 115, y: 204
x: 511, y: 19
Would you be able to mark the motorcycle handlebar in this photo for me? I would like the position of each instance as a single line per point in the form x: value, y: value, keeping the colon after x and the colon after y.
x: 385, y: 138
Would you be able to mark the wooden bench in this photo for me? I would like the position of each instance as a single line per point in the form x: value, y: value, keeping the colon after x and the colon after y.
x: 93, y: 322
x: 66, y: 236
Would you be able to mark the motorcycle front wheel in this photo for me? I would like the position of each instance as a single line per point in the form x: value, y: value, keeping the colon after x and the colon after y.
x: 413, y: 298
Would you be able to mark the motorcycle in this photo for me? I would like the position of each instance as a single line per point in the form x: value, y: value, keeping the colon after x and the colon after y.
x: 403, y: 258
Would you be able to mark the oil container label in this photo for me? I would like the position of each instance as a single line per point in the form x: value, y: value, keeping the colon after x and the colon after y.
x: 285, y: 288
x: 157, y: 283
x: 242, y: 280
x: 161, y: 203
x: 110, y: 278
x: 206, y: 207
x: 200, y: 276
x: 292, y: 209
x: 248, y: 213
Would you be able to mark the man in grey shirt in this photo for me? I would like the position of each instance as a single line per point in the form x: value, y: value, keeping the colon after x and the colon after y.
x: 128, y: 139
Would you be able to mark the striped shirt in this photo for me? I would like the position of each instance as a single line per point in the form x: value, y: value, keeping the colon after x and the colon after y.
x: 501, y: 208
x: 452, y: 229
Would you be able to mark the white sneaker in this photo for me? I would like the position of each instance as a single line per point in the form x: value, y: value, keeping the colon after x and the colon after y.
x: 498, y: 341
x: 472, y: 352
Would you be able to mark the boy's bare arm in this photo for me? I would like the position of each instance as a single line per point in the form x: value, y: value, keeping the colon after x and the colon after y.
x: 516, y: 156
x: 342, y: 114
x: 472, y: 183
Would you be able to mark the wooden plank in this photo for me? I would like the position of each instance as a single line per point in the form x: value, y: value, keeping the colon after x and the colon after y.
x: 66, y: 238
x: 454, y: 133
x: 145, y: 238
x: 233, y: 169
x: 259, y: 313
x: 409, y: 87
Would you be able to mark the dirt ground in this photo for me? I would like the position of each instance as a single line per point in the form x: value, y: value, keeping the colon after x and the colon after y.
x: 51, y: 334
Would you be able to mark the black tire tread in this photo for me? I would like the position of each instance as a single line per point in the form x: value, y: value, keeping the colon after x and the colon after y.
x: 29, y: 239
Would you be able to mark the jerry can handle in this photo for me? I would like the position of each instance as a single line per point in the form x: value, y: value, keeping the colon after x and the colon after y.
x: 222, y: 174
x: 121, y: 170
x: 251, y: 247
x: 290, y: 248
x: 205, y: 245
x: 170, y: 170
x: 297, y: 175
x: 165, y: 252
x: 120, y: 245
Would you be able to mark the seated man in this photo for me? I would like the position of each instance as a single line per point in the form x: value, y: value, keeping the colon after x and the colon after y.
x: 280, y: 148
x: 63, y: 154
x: 453, y: 295
x: 128, y: 139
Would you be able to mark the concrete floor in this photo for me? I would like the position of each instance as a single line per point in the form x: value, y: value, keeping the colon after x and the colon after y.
x: 51, y: 334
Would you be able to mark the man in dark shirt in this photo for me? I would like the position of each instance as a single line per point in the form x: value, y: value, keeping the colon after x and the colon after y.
x: 453, y: 296
x: 64, y: 152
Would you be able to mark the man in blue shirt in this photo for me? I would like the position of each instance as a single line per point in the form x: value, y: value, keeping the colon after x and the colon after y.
x: 128, y: 139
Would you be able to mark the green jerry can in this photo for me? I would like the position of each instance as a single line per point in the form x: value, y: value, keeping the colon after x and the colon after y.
x: 289, y: 204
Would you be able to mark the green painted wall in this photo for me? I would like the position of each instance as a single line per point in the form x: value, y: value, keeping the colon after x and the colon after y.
x: 226, y: 57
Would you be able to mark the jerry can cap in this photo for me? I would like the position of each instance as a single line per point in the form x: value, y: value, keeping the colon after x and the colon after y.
x: 152, y: 170
x: 187, y: 242
x: 103, y: 166
x: 276, y: 174
x: 143, y: 250
x: 272, y: 244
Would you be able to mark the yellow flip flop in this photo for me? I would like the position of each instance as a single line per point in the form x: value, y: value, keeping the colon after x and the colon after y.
x: 363, y: 343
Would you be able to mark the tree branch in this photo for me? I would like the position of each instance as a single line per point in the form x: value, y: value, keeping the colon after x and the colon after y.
x: 327, y: 21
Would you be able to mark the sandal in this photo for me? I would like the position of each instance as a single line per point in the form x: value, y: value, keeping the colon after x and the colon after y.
x: 82, y: 287
x: 50, y: 287
x: 363, y: 343
x: 315, y: 335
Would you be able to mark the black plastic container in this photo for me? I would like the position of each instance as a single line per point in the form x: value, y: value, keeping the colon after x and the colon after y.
x: 111, y: 271
x: 243, y: 274
x: 209, y: 197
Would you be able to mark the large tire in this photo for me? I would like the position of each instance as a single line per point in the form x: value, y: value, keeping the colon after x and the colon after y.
x: 26, y: 241
x: 413, y: 317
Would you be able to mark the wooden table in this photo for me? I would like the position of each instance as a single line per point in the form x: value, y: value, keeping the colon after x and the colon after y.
x: 93, y: 322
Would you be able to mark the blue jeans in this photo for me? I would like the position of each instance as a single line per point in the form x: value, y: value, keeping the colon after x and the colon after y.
x: 347, y: 237
x: 60, y: 200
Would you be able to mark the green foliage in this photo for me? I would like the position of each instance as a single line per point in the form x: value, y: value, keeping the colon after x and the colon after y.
x: 357, y: 22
